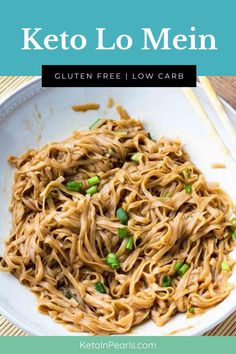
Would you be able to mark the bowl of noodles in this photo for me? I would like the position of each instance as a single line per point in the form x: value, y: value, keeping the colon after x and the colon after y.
x: 114, y: 220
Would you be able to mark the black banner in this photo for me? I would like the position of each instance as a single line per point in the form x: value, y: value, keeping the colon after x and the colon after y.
x: 119, y: 75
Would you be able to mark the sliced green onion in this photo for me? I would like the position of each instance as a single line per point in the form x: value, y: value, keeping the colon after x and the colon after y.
x: 68, y: 294
x: 130, y: 243
x: 234, y: 235
x: 166, y: 281
x: 186, y: 173
x: 98, y: 123
x: 188, y: 188
x: 191, y: 309
x: 183, y: 269
x: 113, y: 261
x: 234, y: 209
x: 100, y: 287
x: 122, y: 216
x: 225, y: 266
x: 74, y: 186
x: 178, y: 265
x: 121, y: 132
x: 233, y: 222
x: 122, y: 232
x: 121, y: 163
x: 91, y: 190
x: 136, y: 157
x: 93, y: 180
x: 112, y: 151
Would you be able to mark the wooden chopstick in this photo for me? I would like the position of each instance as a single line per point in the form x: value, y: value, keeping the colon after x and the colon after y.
x: 207, y: 121
x: 218, y: 106
x: 204, y: 116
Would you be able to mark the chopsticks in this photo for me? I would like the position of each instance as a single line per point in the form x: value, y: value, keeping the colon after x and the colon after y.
x: 191, y: 96
x: 217, y: 105
x: 204, y: 116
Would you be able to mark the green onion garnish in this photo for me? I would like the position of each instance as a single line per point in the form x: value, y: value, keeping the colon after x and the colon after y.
x: 136, y: 157
x: 225, y: 266
x: 67, y: 293
x: 113, y: 261
x: 234, y: 235
x: 112, y: 151
x: 122, y: 232
x: 234, y: 209
x: 191, y: 309
x: 188, y: 188
x: 121, y: 163
x: 178, y: 265
x: 166, y: 281
x: 121, y: 132
x: 130, y: 243
x: 91, y: 190
x: 233, y: 222
x: 186, y: 173
x: 93, y: 180
x: 122, y: 216
x: 183, y: 269
x: 96, y: 124
x: 100, y: 287
x: 74, y: 186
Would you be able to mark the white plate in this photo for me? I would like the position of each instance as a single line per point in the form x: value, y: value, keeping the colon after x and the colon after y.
x: 32, y: 116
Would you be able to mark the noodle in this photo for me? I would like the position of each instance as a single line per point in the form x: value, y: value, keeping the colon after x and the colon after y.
x: 218, y: 165
x: 86, y: 107
x: 61, y: 237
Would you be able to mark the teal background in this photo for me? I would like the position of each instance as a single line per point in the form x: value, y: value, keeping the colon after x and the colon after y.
x: 123, y: 16
x: 165, y: 345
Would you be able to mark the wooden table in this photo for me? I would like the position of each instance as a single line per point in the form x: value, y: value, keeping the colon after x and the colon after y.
x: 225, y: 86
